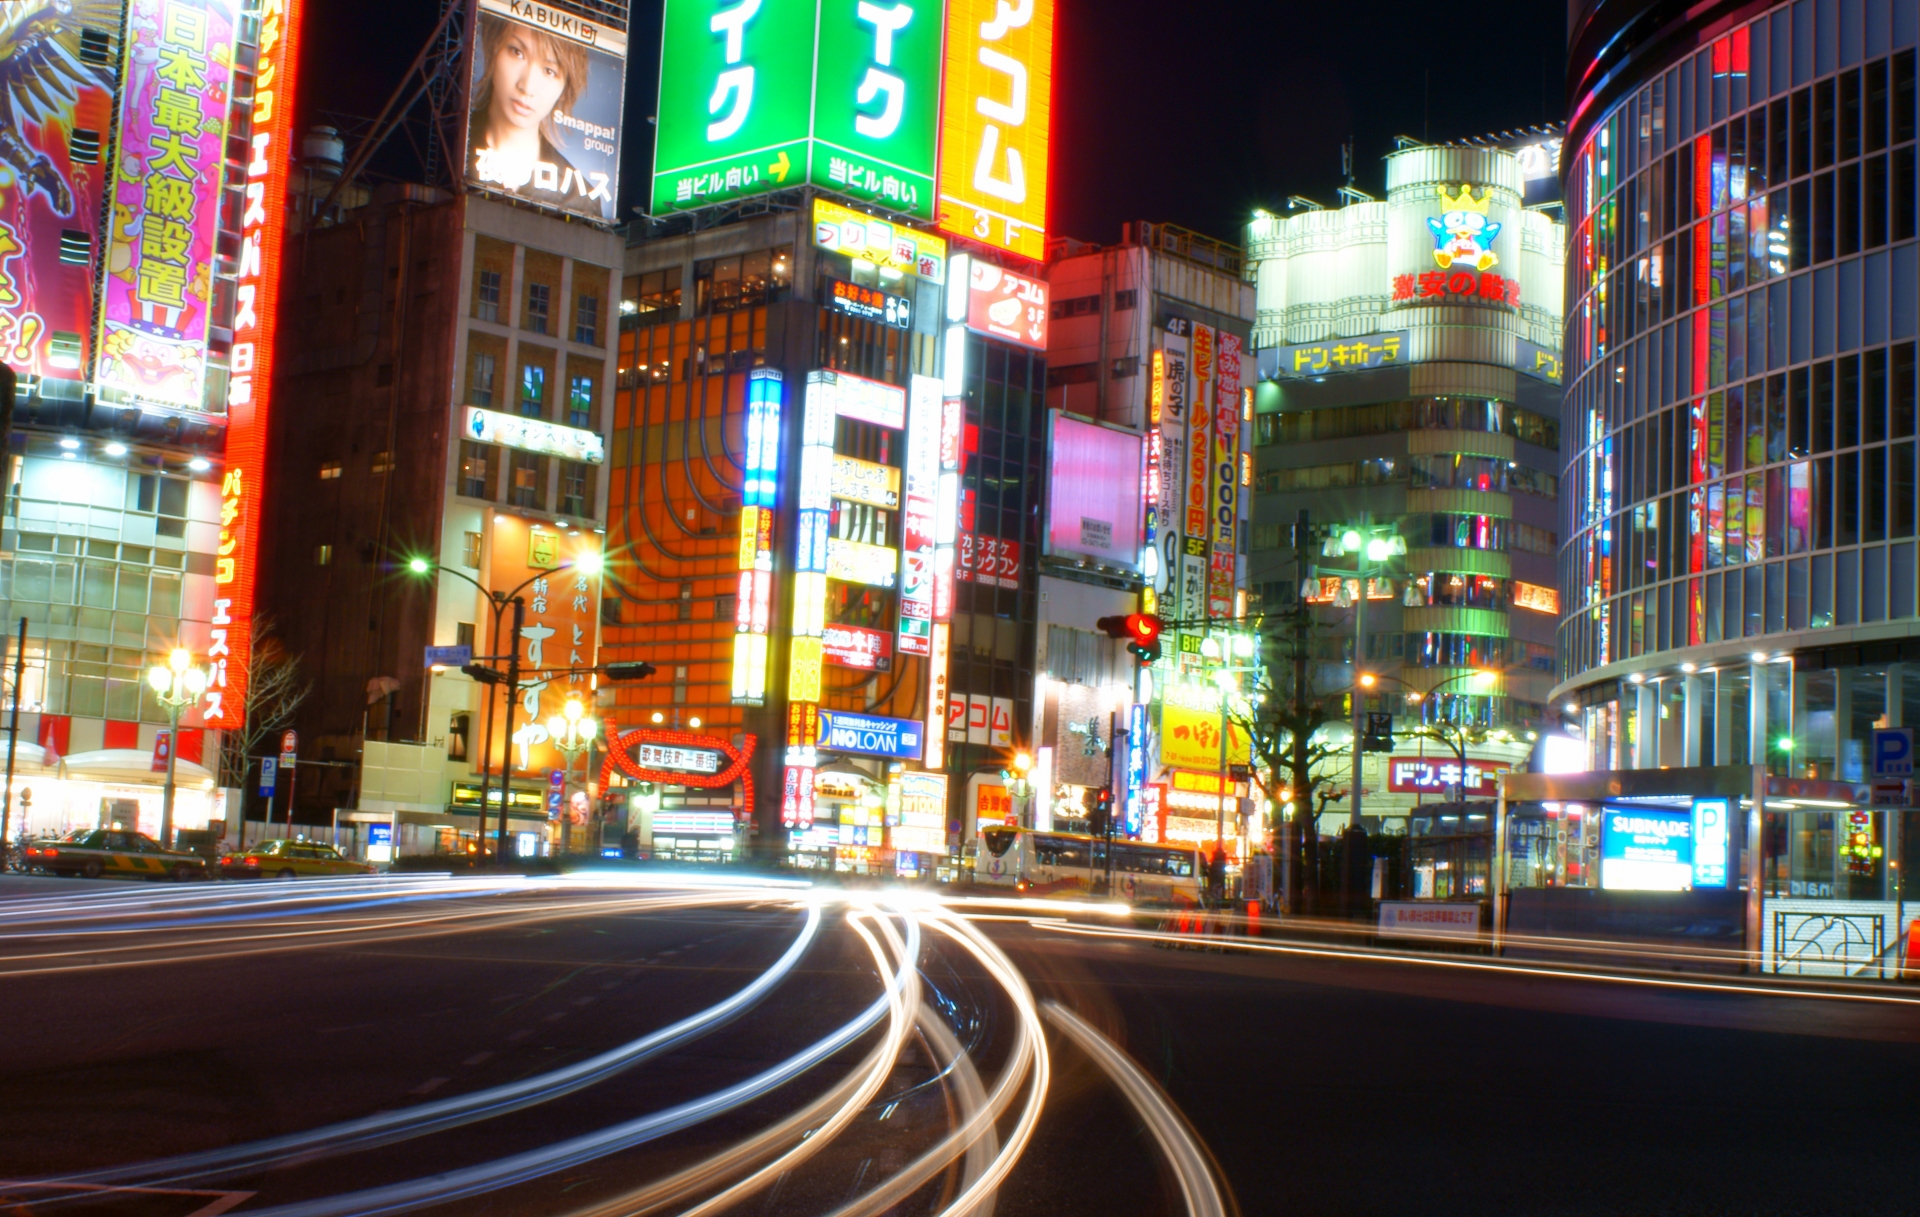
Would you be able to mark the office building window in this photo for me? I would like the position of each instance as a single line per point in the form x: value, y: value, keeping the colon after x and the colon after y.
x: 526, y: 489
x: 580, y: 402
x: 539, y: 298
x: 486, y: 304
x: 586, y: 321
x: 470, y: 554
x: 575, y: 489
x: 533, y: 391
x: 473, y: 476
x: 480, y: 384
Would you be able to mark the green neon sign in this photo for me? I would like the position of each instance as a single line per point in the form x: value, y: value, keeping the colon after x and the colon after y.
x: 757, y: 95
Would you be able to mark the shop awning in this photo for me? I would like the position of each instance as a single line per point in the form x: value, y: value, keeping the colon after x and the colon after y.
x: 27, y: 758
x: 130, y: 765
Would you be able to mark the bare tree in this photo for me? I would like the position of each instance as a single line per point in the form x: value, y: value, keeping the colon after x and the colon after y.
x: 1282, y: 717
x: 275, y: 690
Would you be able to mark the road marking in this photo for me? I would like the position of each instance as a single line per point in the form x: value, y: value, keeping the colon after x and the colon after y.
x: 478, y: 1058
x: 429, y: 1086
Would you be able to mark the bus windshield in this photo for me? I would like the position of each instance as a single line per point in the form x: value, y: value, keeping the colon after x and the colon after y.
x: 998, y: 839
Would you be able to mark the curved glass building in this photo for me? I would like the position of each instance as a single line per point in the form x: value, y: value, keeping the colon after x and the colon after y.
x: 1739, y: 498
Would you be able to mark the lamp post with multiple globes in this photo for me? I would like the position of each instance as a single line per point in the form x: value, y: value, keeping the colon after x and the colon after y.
x: 177, y: 684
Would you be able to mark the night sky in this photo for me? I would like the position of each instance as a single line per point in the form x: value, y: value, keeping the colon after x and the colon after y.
x: 1188, y: 111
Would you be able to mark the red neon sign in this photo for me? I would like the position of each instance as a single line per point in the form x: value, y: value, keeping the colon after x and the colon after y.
x: 256, y: 306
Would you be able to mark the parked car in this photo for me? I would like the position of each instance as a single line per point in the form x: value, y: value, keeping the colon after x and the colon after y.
x: 290, y: 860
x: 94, y: 852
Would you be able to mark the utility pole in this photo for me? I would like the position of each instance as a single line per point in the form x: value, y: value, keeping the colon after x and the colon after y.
x: 506, y: 762
x: 1303, y: 819
x: 13, y: 736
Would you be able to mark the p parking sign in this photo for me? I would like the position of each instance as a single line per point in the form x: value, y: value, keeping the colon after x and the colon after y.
x: 1893, y: 752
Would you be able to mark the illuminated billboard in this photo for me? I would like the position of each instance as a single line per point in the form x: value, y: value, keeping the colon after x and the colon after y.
x: 998, y: 94
x: 885, y: 244
x: 1006, y: 305
x: 918, y: 526
x: 535, y: 435
x: 1647, y: 849
x: 761, y: 94
x: 559, y: 639
x: 856, y: 397
x: 57, y: 99
x: 176, y: 77
x: 250, y: 387
x: 544, y: 95
x: 1093, y: 501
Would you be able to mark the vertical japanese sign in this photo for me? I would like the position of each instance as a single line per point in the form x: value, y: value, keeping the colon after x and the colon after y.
x: 924, y: 409
x: 806, y: 656
x: 250, y: 389
x: 176, y: 82
x: 1223, y: 477
x: 1170, y: 514
x: 759, y: 499
x: 59, y: 110
x: 1198, y: 492
x: 736, y: 87
x: 876, y: 104
x: 994, y: 128
x: 560, y: 630
x: 756, y: 95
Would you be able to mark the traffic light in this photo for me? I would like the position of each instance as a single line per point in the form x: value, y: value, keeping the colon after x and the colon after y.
x: 628, y: 671
x: 1102, y: 818
x: 484, y: 674
x: 1140, y: 631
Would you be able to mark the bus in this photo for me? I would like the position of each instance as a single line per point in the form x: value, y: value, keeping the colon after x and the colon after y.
x: 1058, y: 863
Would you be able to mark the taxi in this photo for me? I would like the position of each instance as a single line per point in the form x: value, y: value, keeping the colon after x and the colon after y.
x: 94, y: 852
x: 290, y: 860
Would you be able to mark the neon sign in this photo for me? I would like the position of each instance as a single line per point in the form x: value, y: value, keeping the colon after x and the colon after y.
x: 249, y: 390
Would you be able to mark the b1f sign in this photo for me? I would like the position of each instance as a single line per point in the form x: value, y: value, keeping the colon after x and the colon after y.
x: 1893, y: 752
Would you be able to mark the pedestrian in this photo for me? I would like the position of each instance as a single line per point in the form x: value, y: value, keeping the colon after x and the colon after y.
x: 1217, y: 876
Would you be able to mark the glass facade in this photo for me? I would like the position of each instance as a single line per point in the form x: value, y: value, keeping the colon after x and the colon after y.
x: 1742, y: 292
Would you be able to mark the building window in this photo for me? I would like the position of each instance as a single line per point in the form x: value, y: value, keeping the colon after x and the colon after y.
x: 323, y: 555
x: 580, y: 402
x: 539, y: 297
x: 533, y: 391
x: 382, y: 463
x: 609, y: 610
x: 586, y: 321
x: 457, y: 729
x: 470, y: 553
x: 525, y: 491
x: 573, y: 488
x: 473, y: 475
x: 329, y: 471
x: 463, y: 630
x: 686, y: 604
x: 486, y: 304
x: 726, y: 607
x: 654, y: 296
x: 723, y: 285
x: 480, y: 384
x: 680, y: 685
x: 166, y: 497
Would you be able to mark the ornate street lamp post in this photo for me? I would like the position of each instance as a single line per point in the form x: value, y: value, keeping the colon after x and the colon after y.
x: 177, y: 683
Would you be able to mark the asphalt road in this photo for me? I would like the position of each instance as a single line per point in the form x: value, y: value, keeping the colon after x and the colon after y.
x: 146, y: 1023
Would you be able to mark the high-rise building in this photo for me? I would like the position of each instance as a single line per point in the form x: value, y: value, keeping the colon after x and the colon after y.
x: 146, y: 149
x: 1739, y: 492
x: 1408, y: 398
x: 1149, y: 407
x: 807, y: 405
x: 446, y: 376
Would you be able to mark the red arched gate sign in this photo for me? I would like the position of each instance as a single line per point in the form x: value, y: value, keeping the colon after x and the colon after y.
x: 679, y: 758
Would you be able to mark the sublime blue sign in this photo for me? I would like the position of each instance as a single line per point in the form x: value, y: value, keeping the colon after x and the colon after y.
x: 1648, y: 849
x: 870, y: 734
x: 1136, y: 767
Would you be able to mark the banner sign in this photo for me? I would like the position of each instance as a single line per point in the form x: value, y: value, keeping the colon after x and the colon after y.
x: 870, y: 735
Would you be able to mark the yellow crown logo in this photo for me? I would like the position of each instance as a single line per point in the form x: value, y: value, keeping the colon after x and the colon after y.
x: 1465, y: 200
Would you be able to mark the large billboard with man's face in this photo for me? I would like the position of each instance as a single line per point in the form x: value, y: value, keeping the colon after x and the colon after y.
x: 544, y: 97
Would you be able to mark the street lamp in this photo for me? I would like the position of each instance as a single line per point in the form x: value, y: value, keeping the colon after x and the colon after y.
x: 573, y: 733
x: 177, y: 684
x: 1372, y: 546
x: 589, y: 563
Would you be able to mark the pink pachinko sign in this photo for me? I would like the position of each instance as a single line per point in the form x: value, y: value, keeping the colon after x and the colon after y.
x: 177, y: 77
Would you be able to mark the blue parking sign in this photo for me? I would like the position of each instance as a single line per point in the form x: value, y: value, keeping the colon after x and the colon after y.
x: 1893, y: 752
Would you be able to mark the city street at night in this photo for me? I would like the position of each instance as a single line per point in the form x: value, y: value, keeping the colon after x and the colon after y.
x: 598, y: 1046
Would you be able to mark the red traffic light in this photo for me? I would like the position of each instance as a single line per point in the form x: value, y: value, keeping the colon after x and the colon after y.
x: 1141, y: 628
x: 1141, y: 632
